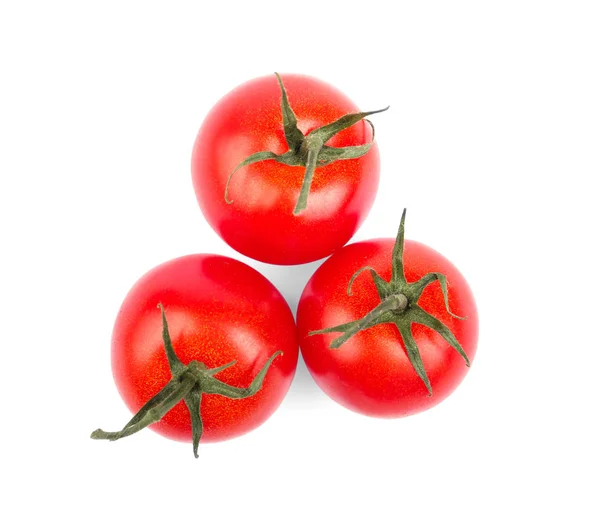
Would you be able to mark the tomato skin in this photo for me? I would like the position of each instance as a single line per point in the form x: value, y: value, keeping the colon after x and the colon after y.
x: 218, y: 310
x: 371, y: 373
x: 260, y: 222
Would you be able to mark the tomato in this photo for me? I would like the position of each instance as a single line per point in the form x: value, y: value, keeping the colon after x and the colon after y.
x: 273, y: 212
x: 371, y: 371
x: 218, y: 310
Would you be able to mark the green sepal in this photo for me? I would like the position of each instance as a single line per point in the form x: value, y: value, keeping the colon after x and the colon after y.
x: 192, y: 401
x: 413, y: 352
x: 379, y: 314
x: 288, y: 159
x: 215, y: 386
x: 398, y: 278
x: 312, y: 156
x: 329, y: 154
x: 340, y: 328
x: 383, y: 288
x: 175, y: 365
x: 328, y: 131
x: 151, y: 414
x: 293, y: 135
x: 418, y: 287
x: 214, y: 371
x: 420, y: 316
x: 171, y: 388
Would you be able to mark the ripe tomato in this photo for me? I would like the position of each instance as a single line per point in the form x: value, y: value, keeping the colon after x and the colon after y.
x: 371, y: 371
x: 264, y: 219
x: 218, y: 310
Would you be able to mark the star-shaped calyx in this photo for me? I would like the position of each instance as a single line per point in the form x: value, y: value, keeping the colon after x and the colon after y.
x: 399, y: 306
x: 309, y: 151
x: 187, y: 383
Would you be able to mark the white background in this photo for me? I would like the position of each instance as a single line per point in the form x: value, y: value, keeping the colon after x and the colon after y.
x: 492, y: 142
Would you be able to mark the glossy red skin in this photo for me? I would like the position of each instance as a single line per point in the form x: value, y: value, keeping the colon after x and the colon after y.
x: 371, y: 373
x: 218, y: 310
x: 260, y: 222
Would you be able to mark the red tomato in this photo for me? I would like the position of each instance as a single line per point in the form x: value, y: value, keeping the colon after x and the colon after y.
x: 260, y: 222
x: 371, y: 373
x: 218, y: 310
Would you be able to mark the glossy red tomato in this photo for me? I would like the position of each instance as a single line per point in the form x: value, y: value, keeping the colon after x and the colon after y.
x: 371, y: 373
x: 218, y: 310
x: 260, y: 222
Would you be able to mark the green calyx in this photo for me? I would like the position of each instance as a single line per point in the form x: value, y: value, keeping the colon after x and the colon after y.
x: 399, y: 306
x: 188, y: 383
x: 309, y: 151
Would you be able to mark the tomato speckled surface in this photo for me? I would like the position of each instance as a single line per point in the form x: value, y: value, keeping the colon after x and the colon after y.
x: 371, y: 372
x: 260, y: 223
x: 218, y: 310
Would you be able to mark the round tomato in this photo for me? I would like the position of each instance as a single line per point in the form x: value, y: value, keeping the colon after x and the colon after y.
x: 399, y: 361
x: 250, y: 168
x: 219, y: 310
